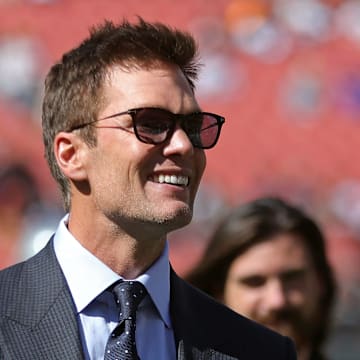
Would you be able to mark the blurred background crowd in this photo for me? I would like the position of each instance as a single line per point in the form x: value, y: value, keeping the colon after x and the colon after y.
x: 284, y: 73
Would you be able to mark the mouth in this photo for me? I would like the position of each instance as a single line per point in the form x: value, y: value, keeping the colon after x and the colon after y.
x: 179, y: 180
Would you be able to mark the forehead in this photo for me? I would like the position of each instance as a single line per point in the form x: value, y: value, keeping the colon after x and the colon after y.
x: 161, y: 85
x: 281, y: 253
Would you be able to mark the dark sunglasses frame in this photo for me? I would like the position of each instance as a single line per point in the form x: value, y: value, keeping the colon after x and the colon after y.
x: 184, y: 120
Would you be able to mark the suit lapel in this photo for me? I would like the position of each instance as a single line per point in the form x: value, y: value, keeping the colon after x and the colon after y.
x: 180, y: 318
x: 45, y: 316
x: 193, y: 335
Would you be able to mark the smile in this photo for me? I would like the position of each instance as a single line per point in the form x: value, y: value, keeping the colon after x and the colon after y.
x: 171, y: 179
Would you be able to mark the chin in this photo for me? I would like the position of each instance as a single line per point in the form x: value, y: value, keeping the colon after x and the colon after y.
x: 177, y: 219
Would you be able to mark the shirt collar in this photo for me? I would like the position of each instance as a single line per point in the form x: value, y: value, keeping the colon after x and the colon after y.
x: 87, y: 285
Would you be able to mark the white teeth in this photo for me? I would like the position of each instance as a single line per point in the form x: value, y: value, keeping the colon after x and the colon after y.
x: 183, y: 180
x: 172, y: 179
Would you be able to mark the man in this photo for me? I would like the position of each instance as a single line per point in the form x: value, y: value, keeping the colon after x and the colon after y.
x: 125, y: 139
x: 267, y: 261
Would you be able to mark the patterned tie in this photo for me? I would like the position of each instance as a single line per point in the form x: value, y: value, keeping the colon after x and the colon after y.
x: 121, y: 344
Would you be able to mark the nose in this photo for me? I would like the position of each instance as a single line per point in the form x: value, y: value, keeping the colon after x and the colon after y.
x: 275, y: 297
x: 178, y: 143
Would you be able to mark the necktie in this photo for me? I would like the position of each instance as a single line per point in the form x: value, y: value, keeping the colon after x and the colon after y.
x: 121, y: 344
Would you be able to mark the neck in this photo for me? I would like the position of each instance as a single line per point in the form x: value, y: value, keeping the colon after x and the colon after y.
x: 127, y: 253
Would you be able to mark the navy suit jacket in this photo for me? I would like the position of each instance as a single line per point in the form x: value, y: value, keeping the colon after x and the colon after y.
x: 38, y: 320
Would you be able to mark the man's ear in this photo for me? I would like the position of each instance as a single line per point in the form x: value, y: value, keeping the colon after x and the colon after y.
x: 70, y: 156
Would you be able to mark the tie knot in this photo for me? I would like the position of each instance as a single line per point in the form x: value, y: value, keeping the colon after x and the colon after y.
x: 128, y: 295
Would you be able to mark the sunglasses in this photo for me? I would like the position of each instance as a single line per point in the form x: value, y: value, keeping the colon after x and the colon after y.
x: 155, y: 126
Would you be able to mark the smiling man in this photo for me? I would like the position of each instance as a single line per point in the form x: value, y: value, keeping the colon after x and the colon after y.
x: 125, y: 139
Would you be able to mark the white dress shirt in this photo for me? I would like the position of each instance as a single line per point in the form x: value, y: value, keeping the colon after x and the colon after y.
x: 97, y: 313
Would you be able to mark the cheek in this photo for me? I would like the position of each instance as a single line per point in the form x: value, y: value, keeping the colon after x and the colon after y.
x: 298, y: 297
x: 108, y: 177
x: 200, y: 165
x: 307, y: 301
x: 306, y: 295
x: 201, y: 160
x: 243, y: 301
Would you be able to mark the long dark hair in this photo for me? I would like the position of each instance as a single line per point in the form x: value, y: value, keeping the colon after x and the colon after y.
x: 255, y: 222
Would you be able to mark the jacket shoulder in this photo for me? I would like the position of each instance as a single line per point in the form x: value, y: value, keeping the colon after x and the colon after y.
x: 30, y: 282
x: 232, y: 333
x: 9, y: 285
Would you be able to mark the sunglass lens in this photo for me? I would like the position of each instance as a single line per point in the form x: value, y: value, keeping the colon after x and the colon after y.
x: 202, y: 130
x: 209, y: 131
x: 152, y: 125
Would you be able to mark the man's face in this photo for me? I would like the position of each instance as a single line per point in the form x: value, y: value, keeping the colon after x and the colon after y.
x: 275, y: 283
x: 123, y: 173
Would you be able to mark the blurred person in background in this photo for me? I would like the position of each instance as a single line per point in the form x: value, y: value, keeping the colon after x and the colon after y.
x: 26, y: 220
x: 18, y: 197
x: 267, y: 260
